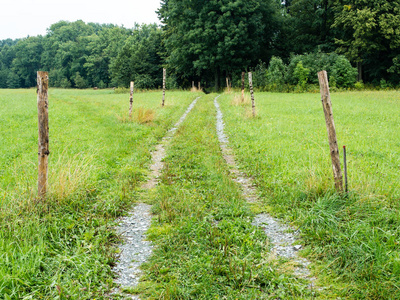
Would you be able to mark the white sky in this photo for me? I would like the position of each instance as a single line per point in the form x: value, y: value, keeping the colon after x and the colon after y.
x: 20, y: 18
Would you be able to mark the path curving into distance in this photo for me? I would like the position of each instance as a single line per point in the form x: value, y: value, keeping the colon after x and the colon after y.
x: 282, y: 236
x: 136, y: 250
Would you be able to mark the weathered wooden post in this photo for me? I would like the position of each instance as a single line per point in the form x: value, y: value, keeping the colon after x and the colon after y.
x: 253, y: 104
x: 330, y: 126
x: 163, y: 85
x: 43, y: 126
x: 227, y: 84
x: 243, y: 87
x: 131, y: 99
x: 198, y: 84
x: 192, y: 85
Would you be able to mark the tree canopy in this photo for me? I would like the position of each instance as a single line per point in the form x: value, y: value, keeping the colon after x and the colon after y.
x: 208, y: 40
x: 203, y: 37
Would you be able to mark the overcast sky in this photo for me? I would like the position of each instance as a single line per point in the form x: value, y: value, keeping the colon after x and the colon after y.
x: 20, y: 18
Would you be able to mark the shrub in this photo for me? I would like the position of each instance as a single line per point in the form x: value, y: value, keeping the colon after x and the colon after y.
x: 359, y: 85
x: 339, y: 69
x: 65, y: 83
x: 102, y: 85
x: 79, y: 81
x: 276, y: 72
x: 259, y: 76
x: 301, y: 75
x: 345, y: 75
x: 121, y: 90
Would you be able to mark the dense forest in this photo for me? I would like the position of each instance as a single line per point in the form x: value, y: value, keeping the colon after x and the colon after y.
x: 284, y: 42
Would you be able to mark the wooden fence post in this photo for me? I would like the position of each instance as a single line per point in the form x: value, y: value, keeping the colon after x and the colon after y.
x: 131, y: 100
x: 253, y: 104
x: 243, y: 87
x: 199, y: 85
x: 164, y: 78
x: 43, y: 126
x: 330, y: 126
x: 227, y: 84
x: 193, y: 85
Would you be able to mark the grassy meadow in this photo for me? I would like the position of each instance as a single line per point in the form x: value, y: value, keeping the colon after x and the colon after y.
x: 206, y: 248
x: 354, y: 240
x: 98, y: 157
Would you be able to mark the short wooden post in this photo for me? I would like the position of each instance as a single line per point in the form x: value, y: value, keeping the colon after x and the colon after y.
x: 227, y: 84
x: 192, y: 85
x: 330, y: 126
x: 43, y: 125
x: 131, y: 100
x: 243, y: 87
x: 253, y: 104
x: 163, y: 85
x: 199, y: 87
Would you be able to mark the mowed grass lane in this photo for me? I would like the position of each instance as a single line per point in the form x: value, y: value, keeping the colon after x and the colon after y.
x: 63, y: 247
x: 355, y: 239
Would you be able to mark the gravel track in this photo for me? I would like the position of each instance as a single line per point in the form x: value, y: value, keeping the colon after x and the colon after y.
x: 135, y: 250
x: 282, y: 236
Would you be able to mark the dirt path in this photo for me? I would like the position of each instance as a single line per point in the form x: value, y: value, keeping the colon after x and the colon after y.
x: 136, y: 250
x: 283, y: 237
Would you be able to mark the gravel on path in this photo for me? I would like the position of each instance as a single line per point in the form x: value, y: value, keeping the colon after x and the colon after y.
x: 135, y: 250
x: 282, y: 236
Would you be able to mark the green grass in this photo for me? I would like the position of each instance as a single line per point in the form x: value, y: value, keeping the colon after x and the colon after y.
x: 206, y: 247
x: 354, y: 240
x: 62, y: 248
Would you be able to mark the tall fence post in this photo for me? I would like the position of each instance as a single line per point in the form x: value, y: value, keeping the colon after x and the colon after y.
x: 243, y: 87
x: 131, y: 99
x: 163, y: 85
x: 330, y: 126
x: 253, y: 103
x: 43, y: 126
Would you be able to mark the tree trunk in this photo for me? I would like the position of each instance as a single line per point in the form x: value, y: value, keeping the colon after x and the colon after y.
x: 43, y: 126
x: 359, y: 69
x: 216, y: 84
x: 330, y: 126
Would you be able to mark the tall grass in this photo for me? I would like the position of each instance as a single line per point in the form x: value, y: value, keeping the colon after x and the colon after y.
x: 352, y: 239
x: 63, y: 247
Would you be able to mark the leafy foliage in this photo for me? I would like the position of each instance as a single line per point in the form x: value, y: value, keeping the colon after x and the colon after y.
x: 214, y: 37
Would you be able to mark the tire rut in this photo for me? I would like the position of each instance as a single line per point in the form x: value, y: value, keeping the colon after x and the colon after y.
x: 136, y: 250
x: 282, y: 236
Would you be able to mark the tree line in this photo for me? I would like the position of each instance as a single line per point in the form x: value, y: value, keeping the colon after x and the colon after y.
x: 83, y: 55
x: 207, y: 41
